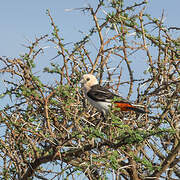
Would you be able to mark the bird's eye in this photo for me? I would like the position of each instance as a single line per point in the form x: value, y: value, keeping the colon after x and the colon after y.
x: 88, y: 79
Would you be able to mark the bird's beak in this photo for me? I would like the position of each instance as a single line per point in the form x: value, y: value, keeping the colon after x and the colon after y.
x: 82, y: 81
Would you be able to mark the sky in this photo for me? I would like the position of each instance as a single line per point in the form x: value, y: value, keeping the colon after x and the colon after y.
x: 23, y: 20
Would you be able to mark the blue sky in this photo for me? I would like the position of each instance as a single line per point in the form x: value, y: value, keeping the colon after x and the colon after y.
x: 21, y: 20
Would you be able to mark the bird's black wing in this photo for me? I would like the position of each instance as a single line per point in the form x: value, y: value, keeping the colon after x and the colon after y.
x: 99, y: 93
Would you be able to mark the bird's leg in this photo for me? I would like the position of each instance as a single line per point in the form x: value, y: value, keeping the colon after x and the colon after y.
x: 104, y: 117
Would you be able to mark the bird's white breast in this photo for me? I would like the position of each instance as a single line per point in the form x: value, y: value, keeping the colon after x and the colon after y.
x: 100, y: 105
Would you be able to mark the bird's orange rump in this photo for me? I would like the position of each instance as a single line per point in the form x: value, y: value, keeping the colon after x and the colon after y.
x: 124, y: 106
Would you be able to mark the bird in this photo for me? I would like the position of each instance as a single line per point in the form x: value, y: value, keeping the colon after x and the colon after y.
x: 102, y: 98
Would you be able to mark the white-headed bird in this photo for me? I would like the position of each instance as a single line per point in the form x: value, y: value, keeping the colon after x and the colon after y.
x: 102, y: 98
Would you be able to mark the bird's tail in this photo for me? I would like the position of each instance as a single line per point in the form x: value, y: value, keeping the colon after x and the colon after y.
x: 125, y: 106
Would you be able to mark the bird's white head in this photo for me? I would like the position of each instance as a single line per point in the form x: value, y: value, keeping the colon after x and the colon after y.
x: 88, y: 80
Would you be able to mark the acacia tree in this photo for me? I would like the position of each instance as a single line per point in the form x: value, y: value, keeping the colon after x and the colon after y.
x: 54, y: 125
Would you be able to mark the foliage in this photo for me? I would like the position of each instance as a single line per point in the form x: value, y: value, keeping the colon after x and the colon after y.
x: 51, y: 123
